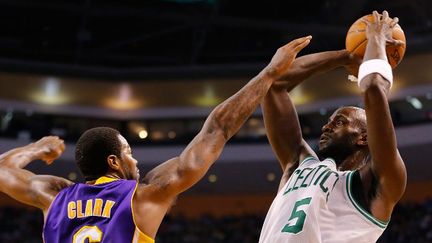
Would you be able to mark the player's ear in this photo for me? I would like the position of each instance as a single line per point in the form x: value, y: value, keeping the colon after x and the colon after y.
x: 113, y: 162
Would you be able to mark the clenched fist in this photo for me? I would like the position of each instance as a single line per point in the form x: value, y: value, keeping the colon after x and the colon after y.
x: 50, y: 148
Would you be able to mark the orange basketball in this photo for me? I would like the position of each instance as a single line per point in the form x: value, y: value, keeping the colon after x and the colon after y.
x: 356, y: 41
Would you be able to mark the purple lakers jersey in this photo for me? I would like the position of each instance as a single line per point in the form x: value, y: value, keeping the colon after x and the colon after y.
x: 94, y: 213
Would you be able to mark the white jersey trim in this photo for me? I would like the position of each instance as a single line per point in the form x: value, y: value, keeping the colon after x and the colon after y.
x: 370, y: 217
x: 310, y: 157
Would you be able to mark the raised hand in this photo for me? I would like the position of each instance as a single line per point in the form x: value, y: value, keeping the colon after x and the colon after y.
x: 382, y: 28
x: 284, y: 56
x: 50, y: 148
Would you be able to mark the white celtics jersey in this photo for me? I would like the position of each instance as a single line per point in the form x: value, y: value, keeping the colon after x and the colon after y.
x: 316, y: 205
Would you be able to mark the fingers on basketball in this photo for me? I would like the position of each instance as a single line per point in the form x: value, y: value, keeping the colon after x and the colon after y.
x: 394, y: 22
x: 385, y: 15
x: 376, y: 16
x: 396, y: 43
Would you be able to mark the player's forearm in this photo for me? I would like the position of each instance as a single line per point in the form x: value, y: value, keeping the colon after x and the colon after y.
x: 307, y: 66
x: 233, y: 112
x: 224, y: 121
x: 282, y: 126
x: 380, y: 133
x: 376, y: 49
x: 14, y: 180
x: 19, y: 157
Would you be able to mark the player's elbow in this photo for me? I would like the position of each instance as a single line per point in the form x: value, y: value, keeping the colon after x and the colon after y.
x: 217, y: 125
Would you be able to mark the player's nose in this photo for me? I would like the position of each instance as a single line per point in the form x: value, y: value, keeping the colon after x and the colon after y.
x: 326, y: 128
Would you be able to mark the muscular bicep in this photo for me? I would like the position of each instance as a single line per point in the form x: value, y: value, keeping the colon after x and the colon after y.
x: 31, y: 189
x: 180, y: 173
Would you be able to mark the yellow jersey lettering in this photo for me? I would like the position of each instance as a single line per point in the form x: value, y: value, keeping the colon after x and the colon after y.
x: 80, y: 213
x: 107, y: 209
x: 97, y: 211
x: 71, y: 210
x: 92, y: 207
x: 89, y: 208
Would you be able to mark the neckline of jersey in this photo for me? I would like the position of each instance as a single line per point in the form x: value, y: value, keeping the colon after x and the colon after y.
x: 331, y: 159
x: 310, y: 157
x: 104, y: 179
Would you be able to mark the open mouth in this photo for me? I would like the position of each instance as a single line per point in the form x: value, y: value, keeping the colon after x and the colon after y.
x: 324, y: 138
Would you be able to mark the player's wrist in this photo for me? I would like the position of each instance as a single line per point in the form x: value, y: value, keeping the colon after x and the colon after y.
x: 378, y: 39
x: 378, y: 66
x: 375, y: 50
x: 35, y: 151
x: 270, y: 73
x: 343, y: 57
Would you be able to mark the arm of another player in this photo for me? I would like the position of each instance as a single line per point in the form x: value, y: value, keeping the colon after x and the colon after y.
x: 387, y: 165
x: 180, y: 173
x: 280, y: 116
x: 25, y: 186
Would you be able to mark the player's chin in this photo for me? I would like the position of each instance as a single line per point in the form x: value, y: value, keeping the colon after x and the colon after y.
x: 322, y: 144
x: 323, y: 148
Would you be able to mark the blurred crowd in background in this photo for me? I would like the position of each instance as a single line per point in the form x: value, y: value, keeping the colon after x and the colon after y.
x: 410, y: 223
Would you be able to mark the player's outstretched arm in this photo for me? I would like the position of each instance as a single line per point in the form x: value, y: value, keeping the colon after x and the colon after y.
x: 280, y: 116
x: 25, y: 186
x: 387, y: 165
x: 180, y: 173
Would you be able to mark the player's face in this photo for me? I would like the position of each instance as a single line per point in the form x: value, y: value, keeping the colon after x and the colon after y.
x: 341, y: 134
x: 129, y: 163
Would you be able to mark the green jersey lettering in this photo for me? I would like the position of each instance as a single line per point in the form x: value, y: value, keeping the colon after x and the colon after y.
x: 305, y: 177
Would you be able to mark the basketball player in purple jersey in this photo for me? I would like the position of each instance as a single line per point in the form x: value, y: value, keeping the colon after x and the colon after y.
x: 112, y: 206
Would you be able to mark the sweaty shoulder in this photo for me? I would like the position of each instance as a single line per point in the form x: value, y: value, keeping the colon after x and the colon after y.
x: 306, y: 152
x: 149, y: 208
x: 306, y: 155
x: 45, y: 188
x: 149, y: 193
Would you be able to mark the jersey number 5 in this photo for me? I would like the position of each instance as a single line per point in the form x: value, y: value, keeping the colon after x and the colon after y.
x: 90, y: 233
x: 300, y: 215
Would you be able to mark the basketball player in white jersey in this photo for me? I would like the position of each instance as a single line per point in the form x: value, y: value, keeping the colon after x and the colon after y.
x: 349, y: 195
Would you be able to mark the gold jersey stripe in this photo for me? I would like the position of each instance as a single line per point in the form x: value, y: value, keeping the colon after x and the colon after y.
x: 104, y: 179
x: 140, y: 237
